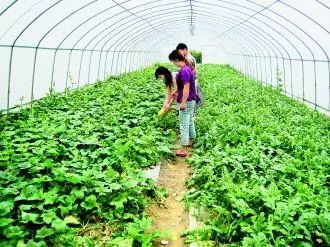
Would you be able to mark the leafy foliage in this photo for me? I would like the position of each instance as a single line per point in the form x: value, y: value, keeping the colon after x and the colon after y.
x: 261, y: 165
x: 197, y: 55
x: 77, y: 159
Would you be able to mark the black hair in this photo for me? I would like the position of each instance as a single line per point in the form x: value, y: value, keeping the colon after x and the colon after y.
x: 176, y: 56
x: 166, y: 73
x: 181, y: 46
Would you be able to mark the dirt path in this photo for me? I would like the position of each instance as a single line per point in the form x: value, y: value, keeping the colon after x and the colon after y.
x: 171, y: 215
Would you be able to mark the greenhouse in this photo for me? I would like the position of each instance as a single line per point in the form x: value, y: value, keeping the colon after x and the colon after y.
x: 164, y: 123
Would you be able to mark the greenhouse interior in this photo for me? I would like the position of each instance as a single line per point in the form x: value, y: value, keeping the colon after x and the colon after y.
x: 165, y: 123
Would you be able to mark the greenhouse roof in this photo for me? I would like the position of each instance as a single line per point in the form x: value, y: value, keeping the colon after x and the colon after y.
x: 290, y: 30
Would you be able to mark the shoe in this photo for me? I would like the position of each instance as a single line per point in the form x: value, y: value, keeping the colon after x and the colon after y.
x: 181, y: 153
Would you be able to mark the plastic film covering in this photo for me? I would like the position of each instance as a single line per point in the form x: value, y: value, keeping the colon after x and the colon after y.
x: 56, y: 45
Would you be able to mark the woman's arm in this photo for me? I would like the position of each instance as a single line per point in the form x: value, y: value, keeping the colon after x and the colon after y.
x: 175, y: 85
x: 175, y: 90
x: 168, y: 96
x: 186, y: 89
x: 171, y: 95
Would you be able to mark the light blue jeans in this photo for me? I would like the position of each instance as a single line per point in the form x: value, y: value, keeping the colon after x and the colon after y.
x: 187, y: 125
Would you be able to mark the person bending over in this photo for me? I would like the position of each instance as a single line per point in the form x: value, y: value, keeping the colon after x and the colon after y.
x: 168, y: 77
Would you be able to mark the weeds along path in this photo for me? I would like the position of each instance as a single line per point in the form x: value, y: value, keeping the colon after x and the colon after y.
x: 170, y: 215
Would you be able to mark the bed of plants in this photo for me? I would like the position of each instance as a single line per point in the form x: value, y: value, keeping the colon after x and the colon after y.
x: 75, y: 160
x: 73, y: 163
x: 261, y: 166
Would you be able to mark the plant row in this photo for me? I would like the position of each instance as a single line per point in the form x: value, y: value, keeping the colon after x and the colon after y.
x: 261, y: 166
x: 75, y: 160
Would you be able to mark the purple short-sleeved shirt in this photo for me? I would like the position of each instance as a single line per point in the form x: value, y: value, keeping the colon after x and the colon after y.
x: 185, y: 75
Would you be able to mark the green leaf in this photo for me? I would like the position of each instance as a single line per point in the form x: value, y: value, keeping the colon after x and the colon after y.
x: 14, y: 232
x: 6, y: 207
x: 44, y: 232
x: 51, y: 196
x: 72, y: 220
x: 20, y: 243
x: 25, y: 165
x: 121, y: 242
x: 78, y: 193
x: 119, y: 201
x: 29, y: 217
x: 115, y: 186
x: 30, y: 193
x: 164, y: 149
x: 26, y: 207
x: 59, y: 225
x: 49, y: 216
x: 31, y: 243
x: 74, y: 178
x: 110, y: 173
x: 90, y: 202
x: 5, y: 221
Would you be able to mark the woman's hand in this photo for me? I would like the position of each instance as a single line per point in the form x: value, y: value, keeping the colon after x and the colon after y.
x: 182, y: 106
x: 167, y: 107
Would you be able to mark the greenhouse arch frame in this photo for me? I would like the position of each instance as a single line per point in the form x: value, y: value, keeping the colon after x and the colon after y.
x: 46, y: 45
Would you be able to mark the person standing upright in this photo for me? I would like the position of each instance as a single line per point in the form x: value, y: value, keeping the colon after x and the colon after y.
x: 190, y: 60
x: 186, y: 101
x: 182, y: 49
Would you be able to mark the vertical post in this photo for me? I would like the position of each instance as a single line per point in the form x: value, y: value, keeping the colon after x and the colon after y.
x: 68, y: 71
x: 126, y: 62
x: 80, y: 64
x: 113, y: 56
x: 303, y: 79
x: 89, y: 67
x: 117, y: 61
x: 99, y: 65
x: 260, y: 63
x: 121, y: 62
x: 271, y: 70
x: 105, y: 74
x: 329, y: 86
x: 291, y: 77
x: 315, y: 85
x: 53, y: 67
x: 33, y: 73
x: 277, y: 70
x: 9, y: 76
x: 284, y: 75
